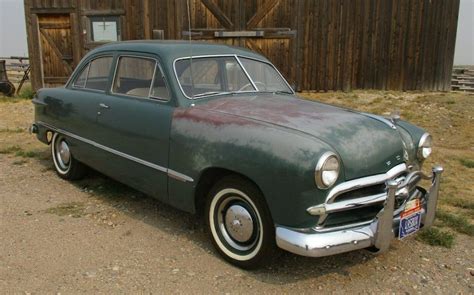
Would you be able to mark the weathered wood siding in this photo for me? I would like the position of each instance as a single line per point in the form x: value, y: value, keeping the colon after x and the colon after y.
x: 397, y: 44
x: 317, y: 44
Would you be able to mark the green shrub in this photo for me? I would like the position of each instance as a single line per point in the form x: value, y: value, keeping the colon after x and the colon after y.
x: 435, y: 237
x: 27, y: 92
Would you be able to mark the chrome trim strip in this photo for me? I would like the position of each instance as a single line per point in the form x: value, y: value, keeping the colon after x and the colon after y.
x: 365, y: 181
x: 179, y: 176
x: 170, y: 172
x: 355, y: 203
x: 246, y: 73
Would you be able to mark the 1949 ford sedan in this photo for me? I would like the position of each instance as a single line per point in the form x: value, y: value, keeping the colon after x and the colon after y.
x: 217, y: 130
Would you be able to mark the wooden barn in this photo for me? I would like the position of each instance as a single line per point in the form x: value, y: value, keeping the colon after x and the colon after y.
x: 317, y: 44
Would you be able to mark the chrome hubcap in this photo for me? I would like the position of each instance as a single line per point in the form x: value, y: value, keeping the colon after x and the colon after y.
x: 239, y: 223
x: 63, y: 154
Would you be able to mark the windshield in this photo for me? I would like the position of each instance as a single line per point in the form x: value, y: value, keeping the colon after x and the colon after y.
x: 217, y: 75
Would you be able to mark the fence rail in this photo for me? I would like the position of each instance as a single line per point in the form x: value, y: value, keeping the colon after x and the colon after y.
x: 16, y: 67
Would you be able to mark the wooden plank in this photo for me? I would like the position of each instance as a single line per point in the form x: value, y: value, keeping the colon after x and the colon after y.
x: 261, y: 12
x: 219, y: 14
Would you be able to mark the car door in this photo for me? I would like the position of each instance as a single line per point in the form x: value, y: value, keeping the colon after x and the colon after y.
x: 84, y: 93
x: 134, y: 121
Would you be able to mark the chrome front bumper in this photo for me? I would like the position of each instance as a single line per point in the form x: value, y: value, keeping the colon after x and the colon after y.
x: 377, y: 233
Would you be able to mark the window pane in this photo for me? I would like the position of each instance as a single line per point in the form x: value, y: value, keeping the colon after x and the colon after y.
x: 81, y: 80
x: 236, y: 78
x: 159, y: 89
x: 105, y: 28
x: 265, y: 77
x: 211, y: 75
x: 202, y: 76
x: 134, y: 76
x: 99, y: 70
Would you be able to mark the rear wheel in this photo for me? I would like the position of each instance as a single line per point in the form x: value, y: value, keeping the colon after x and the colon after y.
x: 65, y: 164
x: 240, y: 224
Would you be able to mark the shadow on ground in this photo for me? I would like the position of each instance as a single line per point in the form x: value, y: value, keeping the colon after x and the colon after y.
x: 284, y: 269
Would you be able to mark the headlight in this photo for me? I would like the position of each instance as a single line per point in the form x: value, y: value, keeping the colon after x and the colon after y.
x: 424, y: 147
x: 327, y: 170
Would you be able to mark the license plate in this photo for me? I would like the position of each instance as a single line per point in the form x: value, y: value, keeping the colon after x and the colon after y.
x: 410, y: 219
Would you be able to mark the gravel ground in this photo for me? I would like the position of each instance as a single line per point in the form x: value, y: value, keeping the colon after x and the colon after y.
x: 98, y: 236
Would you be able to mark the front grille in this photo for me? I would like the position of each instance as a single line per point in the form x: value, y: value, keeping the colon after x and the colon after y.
x: 361, y: 192
x: 354, y: 216
x: 367, y: 211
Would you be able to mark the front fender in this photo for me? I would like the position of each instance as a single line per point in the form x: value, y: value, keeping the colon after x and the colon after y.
x: 280, y: 161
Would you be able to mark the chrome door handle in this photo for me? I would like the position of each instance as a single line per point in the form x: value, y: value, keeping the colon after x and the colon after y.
x: 104, y: 106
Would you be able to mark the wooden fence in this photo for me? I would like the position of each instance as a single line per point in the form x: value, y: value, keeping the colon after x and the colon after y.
x: 16, y: 67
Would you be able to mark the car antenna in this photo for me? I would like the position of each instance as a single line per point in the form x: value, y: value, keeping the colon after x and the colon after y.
x: 190, y: 48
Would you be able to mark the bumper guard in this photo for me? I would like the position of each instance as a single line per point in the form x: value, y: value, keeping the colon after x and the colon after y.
x: 378, y: 233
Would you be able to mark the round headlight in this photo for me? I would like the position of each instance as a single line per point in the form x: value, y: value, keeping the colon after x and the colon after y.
x: 424, y: 147
x: 327, y: 170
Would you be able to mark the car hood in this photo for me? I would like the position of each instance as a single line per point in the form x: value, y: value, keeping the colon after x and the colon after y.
x: 366, y: 144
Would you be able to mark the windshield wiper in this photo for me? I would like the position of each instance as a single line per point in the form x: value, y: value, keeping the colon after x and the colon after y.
x: 276, y: 92
x: 282, y: 92
x: 211, y: 93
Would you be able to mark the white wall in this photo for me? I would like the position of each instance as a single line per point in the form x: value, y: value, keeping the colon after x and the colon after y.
x: 12, y: 29
x: 464, y: 52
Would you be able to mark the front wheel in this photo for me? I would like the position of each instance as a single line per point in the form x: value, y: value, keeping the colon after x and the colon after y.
x: 240, y: 224
x: 65, y: 164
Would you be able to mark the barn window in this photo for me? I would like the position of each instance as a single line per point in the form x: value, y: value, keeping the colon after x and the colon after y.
x: 105, y: 28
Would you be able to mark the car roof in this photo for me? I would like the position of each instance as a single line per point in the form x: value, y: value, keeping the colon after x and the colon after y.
x: 173, y: 49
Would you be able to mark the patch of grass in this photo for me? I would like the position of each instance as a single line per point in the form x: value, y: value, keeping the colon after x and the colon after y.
x: 26, y: 154
x: 459, y: 223
x: 460, y: 203
x: 19, y: 162
x: 436, y: 237
x: 10, y: 149
x: 467, y: 163
x: 8, y: 130
x: 27, y: 92
x: 73, y: 209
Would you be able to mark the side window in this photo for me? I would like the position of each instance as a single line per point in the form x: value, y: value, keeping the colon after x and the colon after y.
x: 81, y: 80
x: 134, y: 76
x: 98, y: 73
x: 159, y: 89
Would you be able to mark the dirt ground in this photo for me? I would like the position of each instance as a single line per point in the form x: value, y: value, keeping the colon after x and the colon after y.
x: 96, y: 235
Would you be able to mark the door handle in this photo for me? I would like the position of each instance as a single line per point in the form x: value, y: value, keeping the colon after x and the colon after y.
x: 104, y: 106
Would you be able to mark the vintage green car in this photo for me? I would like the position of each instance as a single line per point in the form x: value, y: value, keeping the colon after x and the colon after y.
x: 217, y: 130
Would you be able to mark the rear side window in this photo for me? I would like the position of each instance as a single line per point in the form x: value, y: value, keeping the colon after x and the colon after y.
x: 95, y: 75
x: 81, y: 80
x: 134, y: 76
x: 98, y: 75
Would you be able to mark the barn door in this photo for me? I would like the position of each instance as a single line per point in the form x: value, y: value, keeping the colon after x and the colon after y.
x: 265, y: 26
x: 56, y: 48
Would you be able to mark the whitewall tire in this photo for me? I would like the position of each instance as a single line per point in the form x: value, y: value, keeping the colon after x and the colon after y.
x: 65, y: 164
x: 239, y: 223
